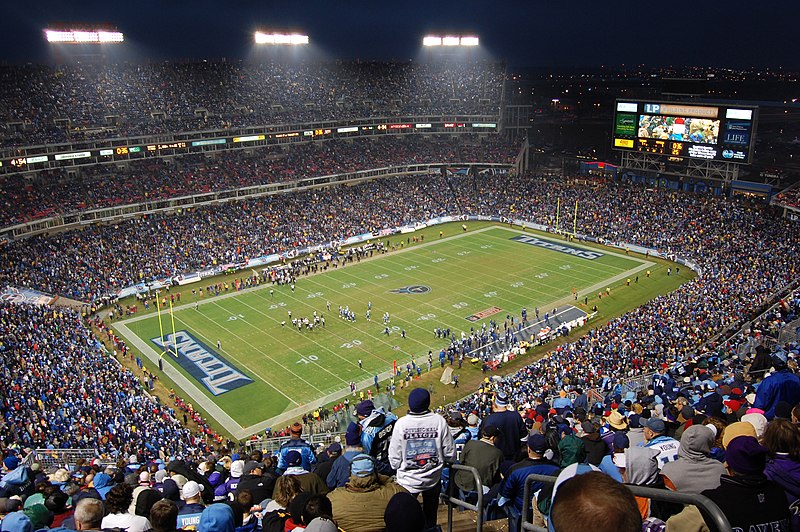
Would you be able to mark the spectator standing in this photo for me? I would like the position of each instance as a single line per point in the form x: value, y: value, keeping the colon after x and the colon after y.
x: 512, y: 427
x: 298, y: 444
x: 421, y: 445
x: 376, y: 433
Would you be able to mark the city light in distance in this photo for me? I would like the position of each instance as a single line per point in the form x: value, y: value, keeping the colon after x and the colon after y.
x: 280, y: 38
x: 450, y: 40
x: 83, y: 36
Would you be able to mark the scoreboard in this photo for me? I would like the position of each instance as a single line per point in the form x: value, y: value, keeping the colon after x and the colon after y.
x: 718, y: 132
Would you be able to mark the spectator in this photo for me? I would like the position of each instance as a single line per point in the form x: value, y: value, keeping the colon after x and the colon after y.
x: 89, y: 515
x: 597, y: 499
x: 404, y: 514
x: 694, y: 471
x: 118, y: 500
x: 512, y: 427
x: 340, y: 471
x: 309, y: 482
x: 164, y: 516
x: 486, y: 457
x: 747, y: 498
x: 189, y: 514
x: 376, y: 433
x: 782, y: 439
x: 513, y: 487
x: 323, y: 468
x: 360, y: 505
x: 782, y: 385
x: 667, y: 447
x: 254, y: 480
x: 296, y: 443
x: 216, y: 517
x: 421, y: 445
x: 595, y: 447
x: 286, y: 489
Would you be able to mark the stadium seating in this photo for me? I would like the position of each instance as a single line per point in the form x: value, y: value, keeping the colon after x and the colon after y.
x: 40, y: 104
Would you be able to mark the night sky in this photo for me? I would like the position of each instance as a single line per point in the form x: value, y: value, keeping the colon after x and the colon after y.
x: 527, y: 34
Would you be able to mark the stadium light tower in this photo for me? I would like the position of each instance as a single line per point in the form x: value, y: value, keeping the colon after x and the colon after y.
x: 89, y: 43
x: 290, y: 39
x: 84, y: 35
x: 450, y: 40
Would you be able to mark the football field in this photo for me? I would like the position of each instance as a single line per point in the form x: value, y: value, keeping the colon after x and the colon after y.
x: 239, y: 354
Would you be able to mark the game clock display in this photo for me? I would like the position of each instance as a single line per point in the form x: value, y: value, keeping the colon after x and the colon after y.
x: 687, y: 130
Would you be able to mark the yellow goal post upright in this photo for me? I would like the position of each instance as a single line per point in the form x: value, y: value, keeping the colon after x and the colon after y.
x: 574, y: 220
x: 174, y: 350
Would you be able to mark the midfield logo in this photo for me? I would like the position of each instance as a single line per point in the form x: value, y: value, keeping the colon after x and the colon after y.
x: 412, y: 289
x: 203, y: 363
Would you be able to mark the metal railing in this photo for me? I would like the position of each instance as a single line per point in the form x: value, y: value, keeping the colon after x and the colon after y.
x: 711, y: 512
x: 455, y: 501
x: 271, y: 445
x: 52, y: 459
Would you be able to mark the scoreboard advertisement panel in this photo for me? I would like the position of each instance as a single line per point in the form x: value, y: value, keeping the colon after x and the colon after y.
x: 718, y: 132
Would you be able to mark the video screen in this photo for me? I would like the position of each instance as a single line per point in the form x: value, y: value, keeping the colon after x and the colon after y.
x: 697, y: 130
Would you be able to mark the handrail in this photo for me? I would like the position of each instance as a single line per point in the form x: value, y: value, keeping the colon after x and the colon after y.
x: 707, y: 507
x: 454, y: 501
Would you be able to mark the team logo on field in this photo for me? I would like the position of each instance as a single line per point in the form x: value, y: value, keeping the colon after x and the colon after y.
x: 203, y: 363
x: 412, y: 289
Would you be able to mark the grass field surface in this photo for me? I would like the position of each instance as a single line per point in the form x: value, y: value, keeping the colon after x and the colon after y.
x: 462, y: 275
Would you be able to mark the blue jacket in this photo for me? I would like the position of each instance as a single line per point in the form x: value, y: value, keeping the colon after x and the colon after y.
x: 340, y: 472
x: 514, y: 484
x: 305, y: 450
x: 780, y: 386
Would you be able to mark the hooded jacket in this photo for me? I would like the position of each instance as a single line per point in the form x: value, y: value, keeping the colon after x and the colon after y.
x: 361, y: 503
x: 786, y: 473
x: 103, y: 484
x: 572, y: 450
x: 694, y: 471
x: 595, y: 447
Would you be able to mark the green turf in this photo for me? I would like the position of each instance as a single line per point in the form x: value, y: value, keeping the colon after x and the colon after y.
x: 467, y: 273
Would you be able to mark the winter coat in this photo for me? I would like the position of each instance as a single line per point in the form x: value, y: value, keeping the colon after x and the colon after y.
x: 694, y: 471
x: 595, y: 447
x: 785, y: 472
x: 749, y: 502
x: 360, y: 504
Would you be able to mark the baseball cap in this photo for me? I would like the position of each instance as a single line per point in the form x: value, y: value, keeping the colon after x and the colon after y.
x: 537, y: 443
x: 362, y: 465
x: 296, y: 428
x: 588, y: 427
x: 251, y: 466
x: 191, y: 489
x: 365, y: 408
x: 490, y: 431
x: 334, y: 448
x: 656, y: 425
x: 294, y: 459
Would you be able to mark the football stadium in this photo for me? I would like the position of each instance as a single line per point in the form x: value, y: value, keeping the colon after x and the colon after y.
x: 300, y: 290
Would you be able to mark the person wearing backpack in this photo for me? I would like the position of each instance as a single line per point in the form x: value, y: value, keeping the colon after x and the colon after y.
x: 376, y: 433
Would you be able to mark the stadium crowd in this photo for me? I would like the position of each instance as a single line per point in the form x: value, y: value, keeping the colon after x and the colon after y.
x: 746, y: 254
x: 42, y: 104
x: 28, y: 197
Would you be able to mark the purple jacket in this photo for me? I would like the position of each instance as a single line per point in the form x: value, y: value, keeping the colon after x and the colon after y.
x: 786, y: 473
